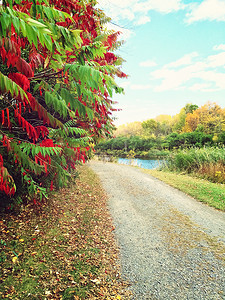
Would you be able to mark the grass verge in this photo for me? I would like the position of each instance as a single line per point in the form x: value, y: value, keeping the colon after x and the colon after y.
x: 62, y: 250
x: 210, y: 193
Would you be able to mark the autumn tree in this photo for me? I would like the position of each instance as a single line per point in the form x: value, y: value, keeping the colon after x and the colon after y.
x: 160, y: 126
x: 165, y: 124
x: 191, y: 122
x: 151, y: 127
x: 57, y: 70
x: 129, y: 129
x: 209, y: 118
x: 178, y: 121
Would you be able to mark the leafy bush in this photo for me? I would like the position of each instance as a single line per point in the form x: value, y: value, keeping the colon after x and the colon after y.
x: 57, y: 74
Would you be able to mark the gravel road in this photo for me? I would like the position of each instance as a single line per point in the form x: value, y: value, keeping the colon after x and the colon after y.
x: 171, y: 246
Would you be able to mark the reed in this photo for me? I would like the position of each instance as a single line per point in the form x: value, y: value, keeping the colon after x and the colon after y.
x: 206, y: 162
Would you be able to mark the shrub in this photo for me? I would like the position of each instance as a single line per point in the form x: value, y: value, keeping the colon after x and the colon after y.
x: 208, y: 162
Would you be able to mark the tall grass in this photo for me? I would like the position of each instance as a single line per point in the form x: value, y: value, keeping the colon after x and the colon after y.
x: 206, y: 162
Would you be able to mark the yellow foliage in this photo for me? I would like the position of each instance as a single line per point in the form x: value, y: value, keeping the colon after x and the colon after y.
x: 14, y: 259
x: 129, y: 129
x: 210, y: 116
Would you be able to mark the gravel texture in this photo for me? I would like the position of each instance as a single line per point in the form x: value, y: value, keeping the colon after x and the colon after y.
x: 171, y: 246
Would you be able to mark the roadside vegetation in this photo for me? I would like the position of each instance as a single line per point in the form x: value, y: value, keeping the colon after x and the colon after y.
x: 198, y: 172
x: 57, y: 71
x: 212, y: 194
x: 155, y: 147
x: 64, y: 249
x: 207, y: 163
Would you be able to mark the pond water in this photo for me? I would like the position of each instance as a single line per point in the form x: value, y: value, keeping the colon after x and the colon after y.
x: 143, y: 163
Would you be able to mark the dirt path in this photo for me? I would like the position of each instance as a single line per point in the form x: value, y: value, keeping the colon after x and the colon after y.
x: 172, y: 247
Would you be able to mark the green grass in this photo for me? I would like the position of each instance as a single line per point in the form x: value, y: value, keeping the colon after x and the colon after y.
x: 210, y: 193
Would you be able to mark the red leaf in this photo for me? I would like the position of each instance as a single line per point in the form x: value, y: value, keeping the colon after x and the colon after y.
x: 36, y: 59
x: 12, y: 59
x: 21, y: 80
x: 24, y: 68
x: 20, y: 108
x: 46, y: 169
x: 47, y: 143
x: 3, y: 117
x: 1, y: 161
x: 7, y: 111
x: 3, y: 53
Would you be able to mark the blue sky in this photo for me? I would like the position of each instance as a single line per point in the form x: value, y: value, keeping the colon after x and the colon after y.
x: 174, y: 52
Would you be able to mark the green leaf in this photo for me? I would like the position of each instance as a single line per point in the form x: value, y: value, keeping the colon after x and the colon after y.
x: 48, y: 42
x: 23, y: 28
x: 16, y: 24
x: 9, y: 86
x: 57, y: 102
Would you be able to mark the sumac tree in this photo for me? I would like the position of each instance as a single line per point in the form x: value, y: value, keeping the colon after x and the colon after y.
x: 57, y: 70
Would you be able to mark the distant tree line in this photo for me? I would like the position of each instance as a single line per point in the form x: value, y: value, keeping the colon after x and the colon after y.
x: 193, y: 126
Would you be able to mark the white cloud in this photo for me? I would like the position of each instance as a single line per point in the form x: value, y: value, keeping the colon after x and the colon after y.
x: 200, y: 87
x: 136, y: 11
x: 143, y: 20
x: 142, y: 7
x: 215, y: 77
x: 185, y: 60
x: 118, y: 3
x: 170, y: 79
x: 128, y: 14
x: 219, y: 47
x: 207, y: 10
x: 217, y: 60
x: 148, y: 63
x: 192, y: 68
x: 117, y: 9
x: 166, y: 6
x: 162, y: 6
x: 140, y: 86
